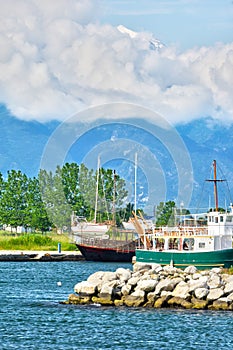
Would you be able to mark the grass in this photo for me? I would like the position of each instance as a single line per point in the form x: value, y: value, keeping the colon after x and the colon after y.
x: 35, y: 241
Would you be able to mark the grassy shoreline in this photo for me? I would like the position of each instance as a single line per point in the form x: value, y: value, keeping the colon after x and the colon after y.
x: 35, y: 241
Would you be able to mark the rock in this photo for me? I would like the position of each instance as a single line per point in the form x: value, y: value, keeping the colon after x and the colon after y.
x: 196, y: 276
x: 201, y: 293
x: 228, y: 278
x: 85, y: 288
x: 77, y: 299
x: 180, y: 302
x: 133, y: 281
x: 147, y: 285
x: 126, y: 289
x: 230, y: 297
x: 118, y: 302
x: 161, y: 302
x: 170, y: 269
x: 102, y: 301
x: 109, y: 276
x: 228, y: 288
x: 156, y: 268
x: 199, y: 304
x: 181, y: 290
x: 141, y: 266
x: 214, y: 281
x: 123, y: 274
x: 135, y: 299
x: 215, y: 294
x: 151, y: 297
x: 216, y: 270
x: 96, y: 276
x: 106, y: 292
x: 197, y: 283
x: 167, y: 284
x: 218, y: 305
x: 190, y: 270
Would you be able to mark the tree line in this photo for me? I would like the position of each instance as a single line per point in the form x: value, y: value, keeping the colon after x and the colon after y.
x: 49, y: 199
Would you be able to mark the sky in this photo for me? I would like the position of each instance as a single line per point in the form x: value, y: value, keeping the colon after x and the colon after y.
x: 58, y: 58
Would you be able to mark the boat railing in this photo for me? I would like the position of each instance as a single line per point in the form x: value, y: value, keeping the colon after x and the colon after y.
x: 121, y: 245
x: 184, y: 231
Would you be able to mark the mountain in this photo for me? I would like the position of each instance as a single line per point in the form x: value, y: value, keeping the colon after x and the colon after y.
x: 150, y: 42
x: 23, y: 144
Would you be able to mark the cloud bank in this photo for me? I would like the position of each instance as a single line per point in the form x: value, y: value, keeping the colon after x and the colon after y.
x: 56, y: 59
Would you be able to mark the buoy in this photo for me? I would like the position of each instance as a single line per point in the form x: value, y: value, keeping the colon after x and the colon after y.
x: 59, y: 284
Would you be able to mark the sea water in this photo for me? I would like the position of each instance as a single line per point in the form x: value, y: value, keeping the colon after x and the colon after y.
x: 31, y: 316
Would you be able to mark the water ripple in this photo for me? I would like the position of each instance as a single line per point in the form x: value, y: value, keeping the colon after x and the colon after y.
x: 32, y: 317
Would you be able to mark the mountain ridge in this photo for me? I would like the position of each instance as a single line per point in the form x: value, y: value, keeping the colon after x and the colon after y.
x: 23, y: 144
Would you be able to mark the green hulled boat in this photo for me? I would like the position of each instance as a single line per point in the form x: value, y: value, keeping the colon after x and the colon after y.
x: 191, y: 242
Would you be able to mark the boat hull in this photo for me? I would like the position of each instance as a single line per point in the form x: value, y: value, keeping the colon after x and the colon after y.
x: 202, y: 260
x: 106, y: 254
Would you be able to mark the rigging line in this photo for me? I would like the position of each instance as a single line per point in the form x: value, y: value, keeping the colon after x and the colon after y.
x: 202, y: 191
x: 227, y: 184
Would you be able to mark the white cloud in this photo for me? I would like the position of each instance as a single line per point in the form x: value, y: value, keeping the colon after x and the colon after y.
x: 55, y: 60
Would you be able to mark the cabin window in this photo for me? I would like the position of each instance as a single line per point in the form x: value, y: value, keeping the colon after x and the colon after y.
x: 173, y: 243
x: 221, y: 218
x: 229, y: 219
x: 216, y: 220
x: 159, y: 243
x: 188, y: 243
x: 209, y: 218
x: 201, y: 245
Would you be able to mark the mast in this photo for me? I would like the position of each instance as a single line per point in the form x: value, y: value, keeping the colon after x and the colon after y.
x: 215, y: 180
x: 135, y: 182
x: 97, y: 189
x: 114, y: 198
x: 215, y: 185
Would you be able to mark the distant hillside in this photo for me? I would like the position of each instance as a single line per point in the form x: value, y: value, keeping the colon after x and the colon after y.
x: 22, y: 145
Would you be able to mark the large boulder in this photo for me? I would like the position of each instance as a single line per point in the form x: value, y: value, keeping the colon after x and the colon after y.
x: 136, y: 299
x: 199, y: 304
x: 147, y: 285
x: 214, y: 281
x: 181, y: 290
x: 201, y: 293
x: 190, y: 270
x: 85, y: 288
x: 141, y: 266
x: 215, y: 293
x: 228, y: 287
x: 123, y: 274
x: 197, y: 283
x: 179, y: 302
x: 167, y: 284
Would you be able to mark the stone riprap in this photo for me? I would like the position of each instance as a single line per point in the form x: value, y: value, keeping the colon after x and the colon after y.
x: 151, y: 285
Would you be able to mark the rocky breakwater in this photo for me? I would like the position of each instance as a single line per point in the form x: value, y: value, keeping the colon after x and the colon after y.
x: 150, y: 285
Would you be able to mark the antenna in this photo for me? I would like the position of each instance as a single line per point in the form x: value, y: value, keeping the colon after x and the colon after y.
x: 215, y: 180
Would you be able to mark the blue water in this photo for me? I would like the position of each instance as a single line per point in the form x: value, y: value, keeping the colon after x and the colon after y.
x: 32, y: 318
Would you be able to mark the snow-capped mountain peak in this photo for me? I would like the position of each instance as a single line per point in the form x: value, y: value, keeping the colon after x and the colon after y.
x: 151, y: 42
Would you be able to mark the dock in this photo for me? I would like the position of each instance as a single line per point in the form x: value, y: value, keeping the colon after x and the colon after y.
x: 21, y: 256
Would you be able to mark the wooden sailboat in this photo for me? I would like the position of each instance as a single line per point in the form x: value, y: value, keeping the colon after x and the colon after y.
x: 115, y: 245
x: 80, y: 225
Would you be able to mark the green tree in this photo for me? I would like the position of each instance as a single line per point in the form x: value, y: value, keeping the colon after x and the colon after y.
x: 36, y: 214
x: 13, y: 199
x: 53, y: 196
x: 165, y: 214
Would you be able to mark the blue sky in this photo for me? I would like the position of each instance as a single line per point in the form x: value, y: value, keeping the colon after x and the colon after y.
x: 185, y: 23
x: 61, y: 57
